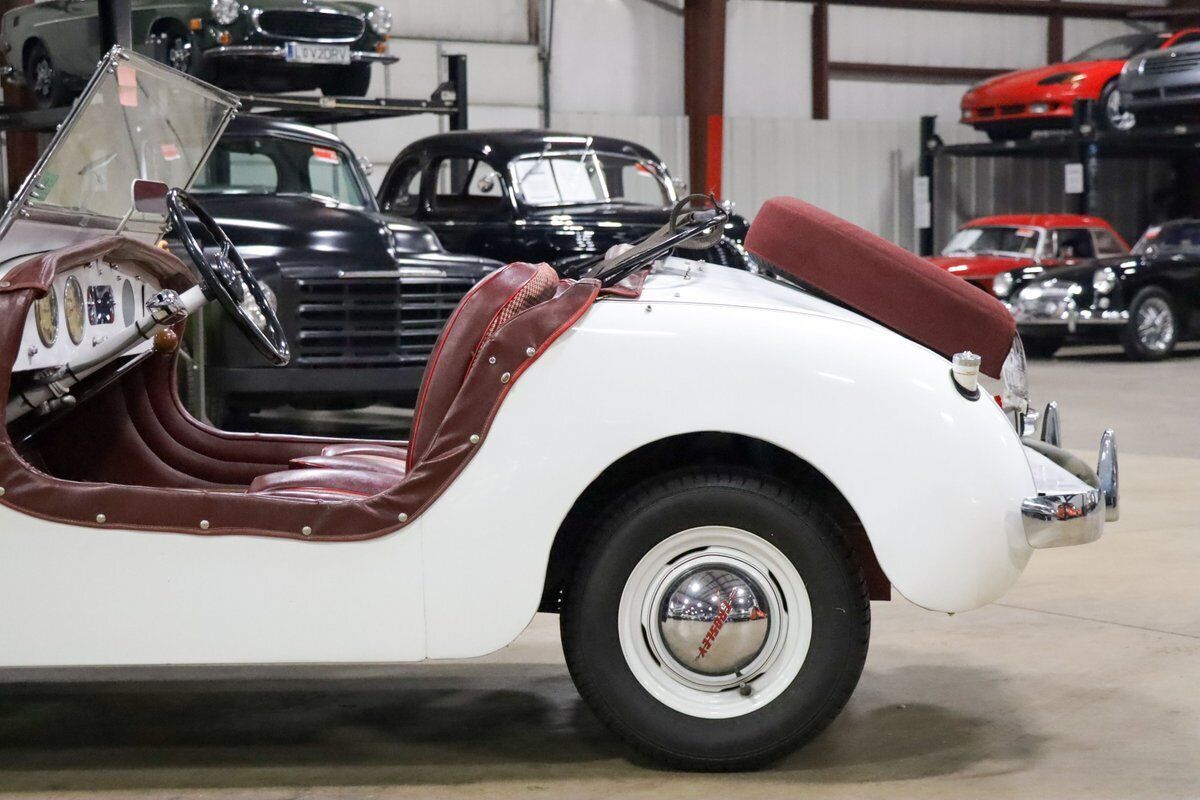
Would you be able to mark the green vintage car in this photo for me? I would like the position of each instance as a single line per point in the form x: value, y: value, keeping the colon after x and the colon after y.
x: 260, y: 46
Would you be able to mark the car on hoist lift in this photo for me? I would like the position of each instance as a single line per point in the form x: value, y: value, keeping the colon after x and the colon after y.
x: 706, y: 472
x: 264, y: 46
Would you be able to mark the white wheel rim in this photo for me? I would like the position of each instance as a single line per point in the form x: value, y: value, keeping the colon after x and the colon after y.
x: 767, y: 674
x: 1119, y: 119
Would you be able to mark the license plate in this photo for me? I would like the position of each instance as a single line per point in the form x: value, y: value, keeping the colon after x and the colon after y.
x: 306, y: 53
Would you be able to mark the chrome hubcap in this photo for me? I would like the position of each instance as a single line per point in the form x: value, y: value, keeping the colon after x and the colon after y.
x: 1155, y: 325
x: 43, y: 77
x: 713, y: 620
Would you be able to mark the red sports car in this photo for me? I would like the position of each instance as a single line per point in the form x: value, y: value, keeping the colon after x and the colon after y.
x: 1015, y: 104
x: 988, y: 247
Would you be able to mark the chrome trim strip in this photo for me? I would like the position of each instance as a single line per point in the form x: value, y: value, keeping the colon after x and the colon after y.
x: 279, y: 54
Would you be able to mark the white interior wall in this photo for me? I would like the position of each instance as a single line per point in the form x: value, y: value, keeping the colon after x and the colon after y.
x: 617, y: 57
x: 768, y: 66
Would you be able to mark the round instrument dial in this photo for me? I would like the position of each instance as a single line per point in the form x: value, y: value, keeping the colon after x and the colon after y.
x: 74, y: 308
x: 45, y: 315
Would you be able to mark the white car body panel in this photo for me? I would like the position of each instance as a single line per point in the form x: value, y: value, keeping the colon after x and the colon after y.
x: 936, y: 479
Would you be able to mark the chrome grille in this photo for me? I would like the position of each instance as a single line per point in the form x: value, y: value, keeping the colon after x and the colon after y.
x: 370, y: 322
x: 311, y: 26
x: 1165, y: 65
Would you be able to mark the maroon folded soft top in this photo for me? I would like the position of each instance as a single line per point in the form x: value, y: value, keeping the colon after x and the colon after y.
x: 882, y: 281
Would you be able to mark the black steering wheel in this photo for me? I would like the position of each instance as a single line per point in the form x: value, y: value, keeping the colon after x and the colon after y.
x: 224, y: 277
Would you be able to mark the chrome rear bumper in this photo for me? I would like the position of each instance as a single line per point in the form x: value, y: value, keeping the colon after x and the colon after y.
x: 279, y: 54
x: 1072, y: 504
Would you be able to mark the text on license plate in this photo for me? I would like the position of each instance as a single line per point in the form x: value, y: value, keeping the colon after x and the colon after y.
x: 305, y: 53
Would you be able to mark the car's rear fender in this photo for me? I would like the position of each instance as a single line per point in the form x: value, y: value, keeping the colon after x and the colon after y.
x: 937, y: 480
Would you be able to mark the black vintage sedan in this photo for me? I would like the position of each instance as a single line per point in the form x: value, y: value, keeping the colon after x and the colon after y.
x: 534, y: 195
x: 361, y: 294
x: 1148, y: 301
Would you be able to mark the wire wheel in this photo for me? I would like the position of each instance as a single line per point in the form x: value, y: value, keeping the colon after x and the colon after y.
x: 1155, y: 323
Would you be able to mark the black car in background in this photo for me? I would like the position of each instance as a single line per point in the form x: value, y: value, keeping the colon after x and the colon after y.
x: 1147, y: 301
x: 361, y: 294
x: 533, y: 195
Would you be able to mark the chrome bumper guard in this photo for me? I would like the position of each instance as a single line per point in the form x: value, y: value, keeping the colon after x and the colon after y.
x: 1073, y: 514
x: 279, y: 54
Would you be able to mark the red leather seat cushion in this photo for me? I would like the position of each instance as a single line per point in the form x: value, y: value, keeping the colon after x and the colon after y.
x: 323, y: 484
x: 365, y: 448
x: 388, y: 465
x: 882, y: 281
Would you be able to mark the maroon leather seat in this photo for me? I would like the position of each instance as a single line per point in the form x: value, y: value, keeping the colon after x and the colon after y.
x: 352, y: 470
x: 882, y: 281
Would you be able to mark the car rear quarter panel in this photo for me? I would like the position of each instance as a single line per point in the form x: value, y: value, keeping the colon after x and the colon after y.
x: 937, y: 480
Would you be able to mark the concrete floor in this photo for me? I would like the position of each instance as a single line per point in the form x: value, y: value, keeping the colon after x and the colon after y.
x: 1084, y: 682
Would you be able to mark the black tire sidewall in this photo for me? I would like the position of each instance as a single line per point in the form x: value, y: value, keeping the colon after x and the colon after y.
x: 837, y: 647
x: 1042, y: 346
x: 353, y: 80
x: 1129, y: 337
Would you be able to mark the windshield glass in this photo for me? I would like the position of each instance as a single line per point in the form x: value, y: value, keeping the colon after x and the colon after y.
x: 994, y: 239
x: 1179, y: 237
x: 139, y: 120
x: 1121, y: 48
x: 272, y: 165
x: 589, y: 177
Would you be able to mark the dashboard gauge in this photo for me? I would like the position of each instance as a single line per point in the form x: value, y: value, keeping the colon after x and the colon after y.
x: 73, y: 308
x: 101, y: 305
x: 45, y: 315
x: 128, y: 301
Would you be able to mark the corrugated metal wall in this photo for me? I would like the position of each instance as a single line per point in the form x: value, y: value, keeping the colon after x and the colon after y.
x: 860, y: 170
x: 1131, y: 193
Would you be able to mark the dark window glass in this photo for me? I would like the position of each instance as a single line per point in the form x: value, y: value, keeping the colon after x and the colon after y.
x: 1120, y: 48
x: 406, y: 190
x: 1073, y: 243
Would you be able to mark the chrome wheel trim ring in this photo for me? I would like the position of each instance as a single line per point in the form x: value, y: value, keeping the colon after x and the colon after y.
x: 766, y: 674
x: 1155, y: 325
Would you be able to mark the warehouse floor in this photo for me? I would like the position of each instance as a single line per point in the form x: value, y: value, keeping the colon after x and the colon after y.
x: 1081, y: 683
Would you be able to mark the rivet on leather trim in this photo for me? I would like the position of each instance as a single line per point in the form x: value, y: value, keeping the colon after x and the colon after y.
x: 529, y: 351
x: 474, y: 438
x: 4, y: 284
x: 505, y: 377
x: 204, y: 525
x: 491, y: 359
x: 402, y: 517
x: 1, y: 491
x: 306, y: 531
x: 101, y: 519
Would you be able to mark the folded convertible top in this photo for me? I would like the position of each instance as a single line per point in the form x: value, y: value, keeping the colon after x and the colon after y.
x: 882, y: 281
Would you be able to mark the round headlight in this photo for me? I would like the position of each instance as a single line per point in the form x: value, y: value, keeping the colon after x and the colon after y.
x: 380, y: 20
x: 1002, y: 284
x: 224, y: 12
x: 1104, y: 280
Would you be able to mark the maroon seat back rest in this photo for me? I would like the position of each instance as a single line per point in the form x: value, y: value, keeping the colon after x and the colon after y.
x: 882, y: 281
x: 518, y: 287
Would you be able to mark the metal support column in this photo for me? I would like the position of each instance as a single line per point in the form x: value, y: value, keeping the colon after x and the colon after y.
x: 1084, y: 128
x: 458, y: 78
x: 116, y: 26
x: 923, y: 193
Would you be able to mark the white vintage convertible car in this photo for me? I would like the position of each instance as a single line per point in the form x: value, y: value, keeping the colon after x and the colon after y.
x: 708, y: 473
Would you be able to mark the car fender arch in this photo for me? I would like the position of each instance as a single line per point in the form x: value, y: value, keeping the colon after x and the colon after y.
x: 936, y: 480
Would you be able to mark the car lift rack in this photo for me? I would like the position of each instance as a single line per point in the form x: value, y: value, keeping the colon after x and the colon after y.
x: 1084, y: 142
